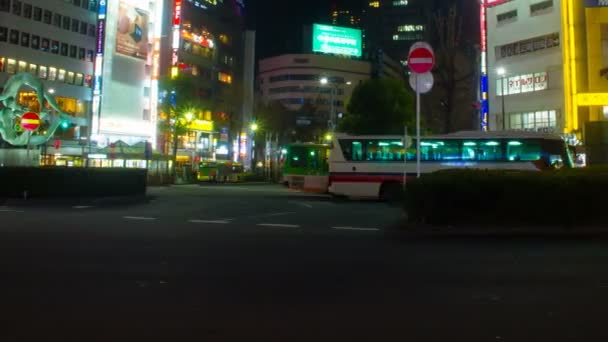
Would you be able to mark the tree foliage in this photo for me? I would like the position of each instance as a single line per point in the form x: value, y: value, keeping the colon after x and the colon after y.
x: 379, y: 106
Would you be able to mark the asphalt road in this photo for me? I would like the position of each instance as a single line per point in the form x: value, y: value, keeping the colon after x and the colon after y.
x: 260, y: 263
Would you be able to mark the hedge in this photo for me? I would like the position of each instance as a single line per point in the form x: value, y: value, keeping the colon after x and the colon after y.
x: 570, y: 197
x: 71, y: 182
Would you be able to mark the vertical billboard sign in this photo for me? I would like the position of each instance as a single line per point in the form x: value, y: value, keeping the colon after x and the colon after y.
x: 177, y: 22
x: 98, y: 67
x: 132, y: 33
x: 484, y: 107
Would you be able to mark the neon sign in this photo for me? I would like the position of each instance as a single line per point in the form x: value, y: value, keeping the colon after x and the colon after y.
x: 199, y: 39
x: 177, y: 12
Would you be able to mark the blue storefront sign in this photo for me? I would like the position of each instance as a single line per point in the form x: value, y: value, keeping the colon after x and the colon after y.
x: 596, y: 3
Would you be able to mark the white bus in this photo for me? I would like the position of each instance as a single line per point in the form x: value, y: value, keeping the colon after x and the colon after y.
x: 374, y: 166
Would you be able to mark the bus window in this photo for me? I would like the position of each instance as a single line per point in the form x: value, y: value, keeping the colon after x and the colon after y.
x: 523, y: 150
x: 298, y: 156
x: 469, y: 150
x: 489, y: 150
x: 352, y: 149
x: 432, y: 150
x: 384, y: 150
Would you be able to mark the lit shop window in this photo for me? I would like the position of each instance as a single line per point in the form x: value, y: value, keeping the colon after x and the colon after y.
x: 11, y: 66
x: 61, y: 75
x: 33, y: 69
x: 375, y: 4
x: 400, y: 3
x: 43, y: 72
x: 22, y: 66
x: 533, y: 120
x: 225, y: 78
x: 521, y: 84
x: 52, y: 74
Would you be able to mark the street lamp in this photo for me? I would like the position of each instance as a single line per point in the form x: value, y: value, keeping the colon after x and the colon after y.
x: 325, y: 81
x: 254, y: 127
x: 502, y: 72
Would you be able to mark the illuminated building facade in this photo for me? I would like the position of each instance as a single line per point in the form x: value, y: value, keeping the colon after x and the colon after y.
x: 55, y: 41
x: 553, y: 57
x: 207, y: 41
x: 127, y: 62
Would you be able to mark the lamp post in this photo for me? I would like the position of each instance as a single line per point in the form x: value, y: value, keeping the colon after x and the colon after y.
x: 501, y: 72
x: 332, y: 116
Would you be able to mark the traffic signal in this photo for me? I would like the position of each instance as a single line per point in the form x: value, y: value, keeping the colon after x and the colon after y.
x: 65, y: 124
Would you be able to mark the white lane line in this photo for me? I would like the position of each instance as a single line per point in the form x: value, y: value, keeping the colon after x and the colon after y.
x: 139, y: 218
x: 209, y: 221
x: 272, y: 214
x: 82, y: 207
x: 278, y: 225
x: 358, y: 229
x: 11, y: 211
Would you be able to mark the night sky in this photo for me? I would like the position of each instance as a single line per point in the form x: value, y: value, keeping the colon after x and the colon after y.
x: 279, y: 23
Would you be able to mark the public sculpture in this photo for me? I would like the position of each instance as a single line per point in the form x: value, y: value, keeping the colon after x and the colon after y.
x: 11, y: 112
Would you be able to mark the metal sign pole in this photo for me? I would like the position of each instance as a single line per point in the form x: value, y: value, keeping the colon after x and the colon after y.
x: 417, y: 128
x: 404, y: 157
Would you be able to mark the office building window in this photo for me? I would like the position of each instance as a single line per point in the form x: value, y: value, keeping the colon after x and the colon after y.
x: 66, y: 23
x: 25, y: 39
x: 90, y: 55
x: 17, y: 4
x: 83, y: 27
x: 27, y: 11
x: 75, y: 25
x: 3, y: 34
x: 506, y: 17
x: 5, y: 5
x: 35, y: 42
x: 77, y: 2
x: 73, y: 51
x: 92, y: 32
x: 13, y: 37
x: 541, y: 7
x: 55, y: 47
x: 37, y: 13
x: 57, y: 20
x: 82, y: 54
x: 45, y: 45
x: 48, y: 17
x: 63, y: 49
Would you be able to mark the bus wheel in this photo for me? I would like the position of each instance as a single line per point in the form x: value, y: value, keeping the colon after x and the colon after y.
x: 391, y: 193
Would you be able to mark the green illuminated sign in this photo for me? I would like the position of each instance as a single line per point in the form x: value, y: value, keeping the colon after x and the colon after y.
x: 336, y: 40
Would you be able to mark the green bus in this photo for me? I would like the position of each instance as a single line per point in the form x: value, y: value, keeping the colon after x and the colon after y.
x: 219, y: 171
x: 306, y: 167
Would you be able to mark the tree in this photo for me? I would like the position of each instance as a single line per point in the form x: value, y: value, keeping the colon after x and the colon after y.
x: 449, y: 106
x: 379, y: 106
x: 182, y: 102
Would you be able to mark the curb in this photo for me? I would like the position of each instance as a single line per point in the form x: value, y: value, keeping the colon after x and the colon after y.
x: 519, y: 232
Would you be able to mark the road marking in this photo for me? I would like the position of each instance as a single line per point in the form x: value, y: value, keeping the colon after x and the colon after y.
x: 355, y: 228
x: 11, y: 211
x: 82, y: 206
x: 278, y: 225
x: 273, y: 214
x: 209, y: 221
x: 139, y: 218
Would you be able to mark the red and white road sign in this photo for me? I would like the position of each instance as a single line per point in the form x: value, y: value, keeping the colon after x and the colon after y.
x: 421, y: 59
x: 30, y: 121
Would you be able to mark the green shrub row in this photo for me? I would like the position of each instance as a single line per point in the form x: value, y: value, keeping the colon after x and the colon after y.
x: 569, y: 197
x: 71, y: 182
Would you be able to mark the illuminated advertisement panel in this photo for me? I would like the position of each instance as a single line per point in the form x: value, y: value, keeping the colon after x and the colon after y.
x: 336, y: 40
x: 132, y: 32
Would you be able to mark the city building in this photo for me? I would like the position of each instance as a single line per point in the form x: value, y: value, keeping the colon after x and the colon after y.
x: 393, y: 26
x: 546, y: 65
x: 347, y: 15
x: 55, y: 41
x: 125, y: 90
x: 207, y: 40
x: 325, y: 82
